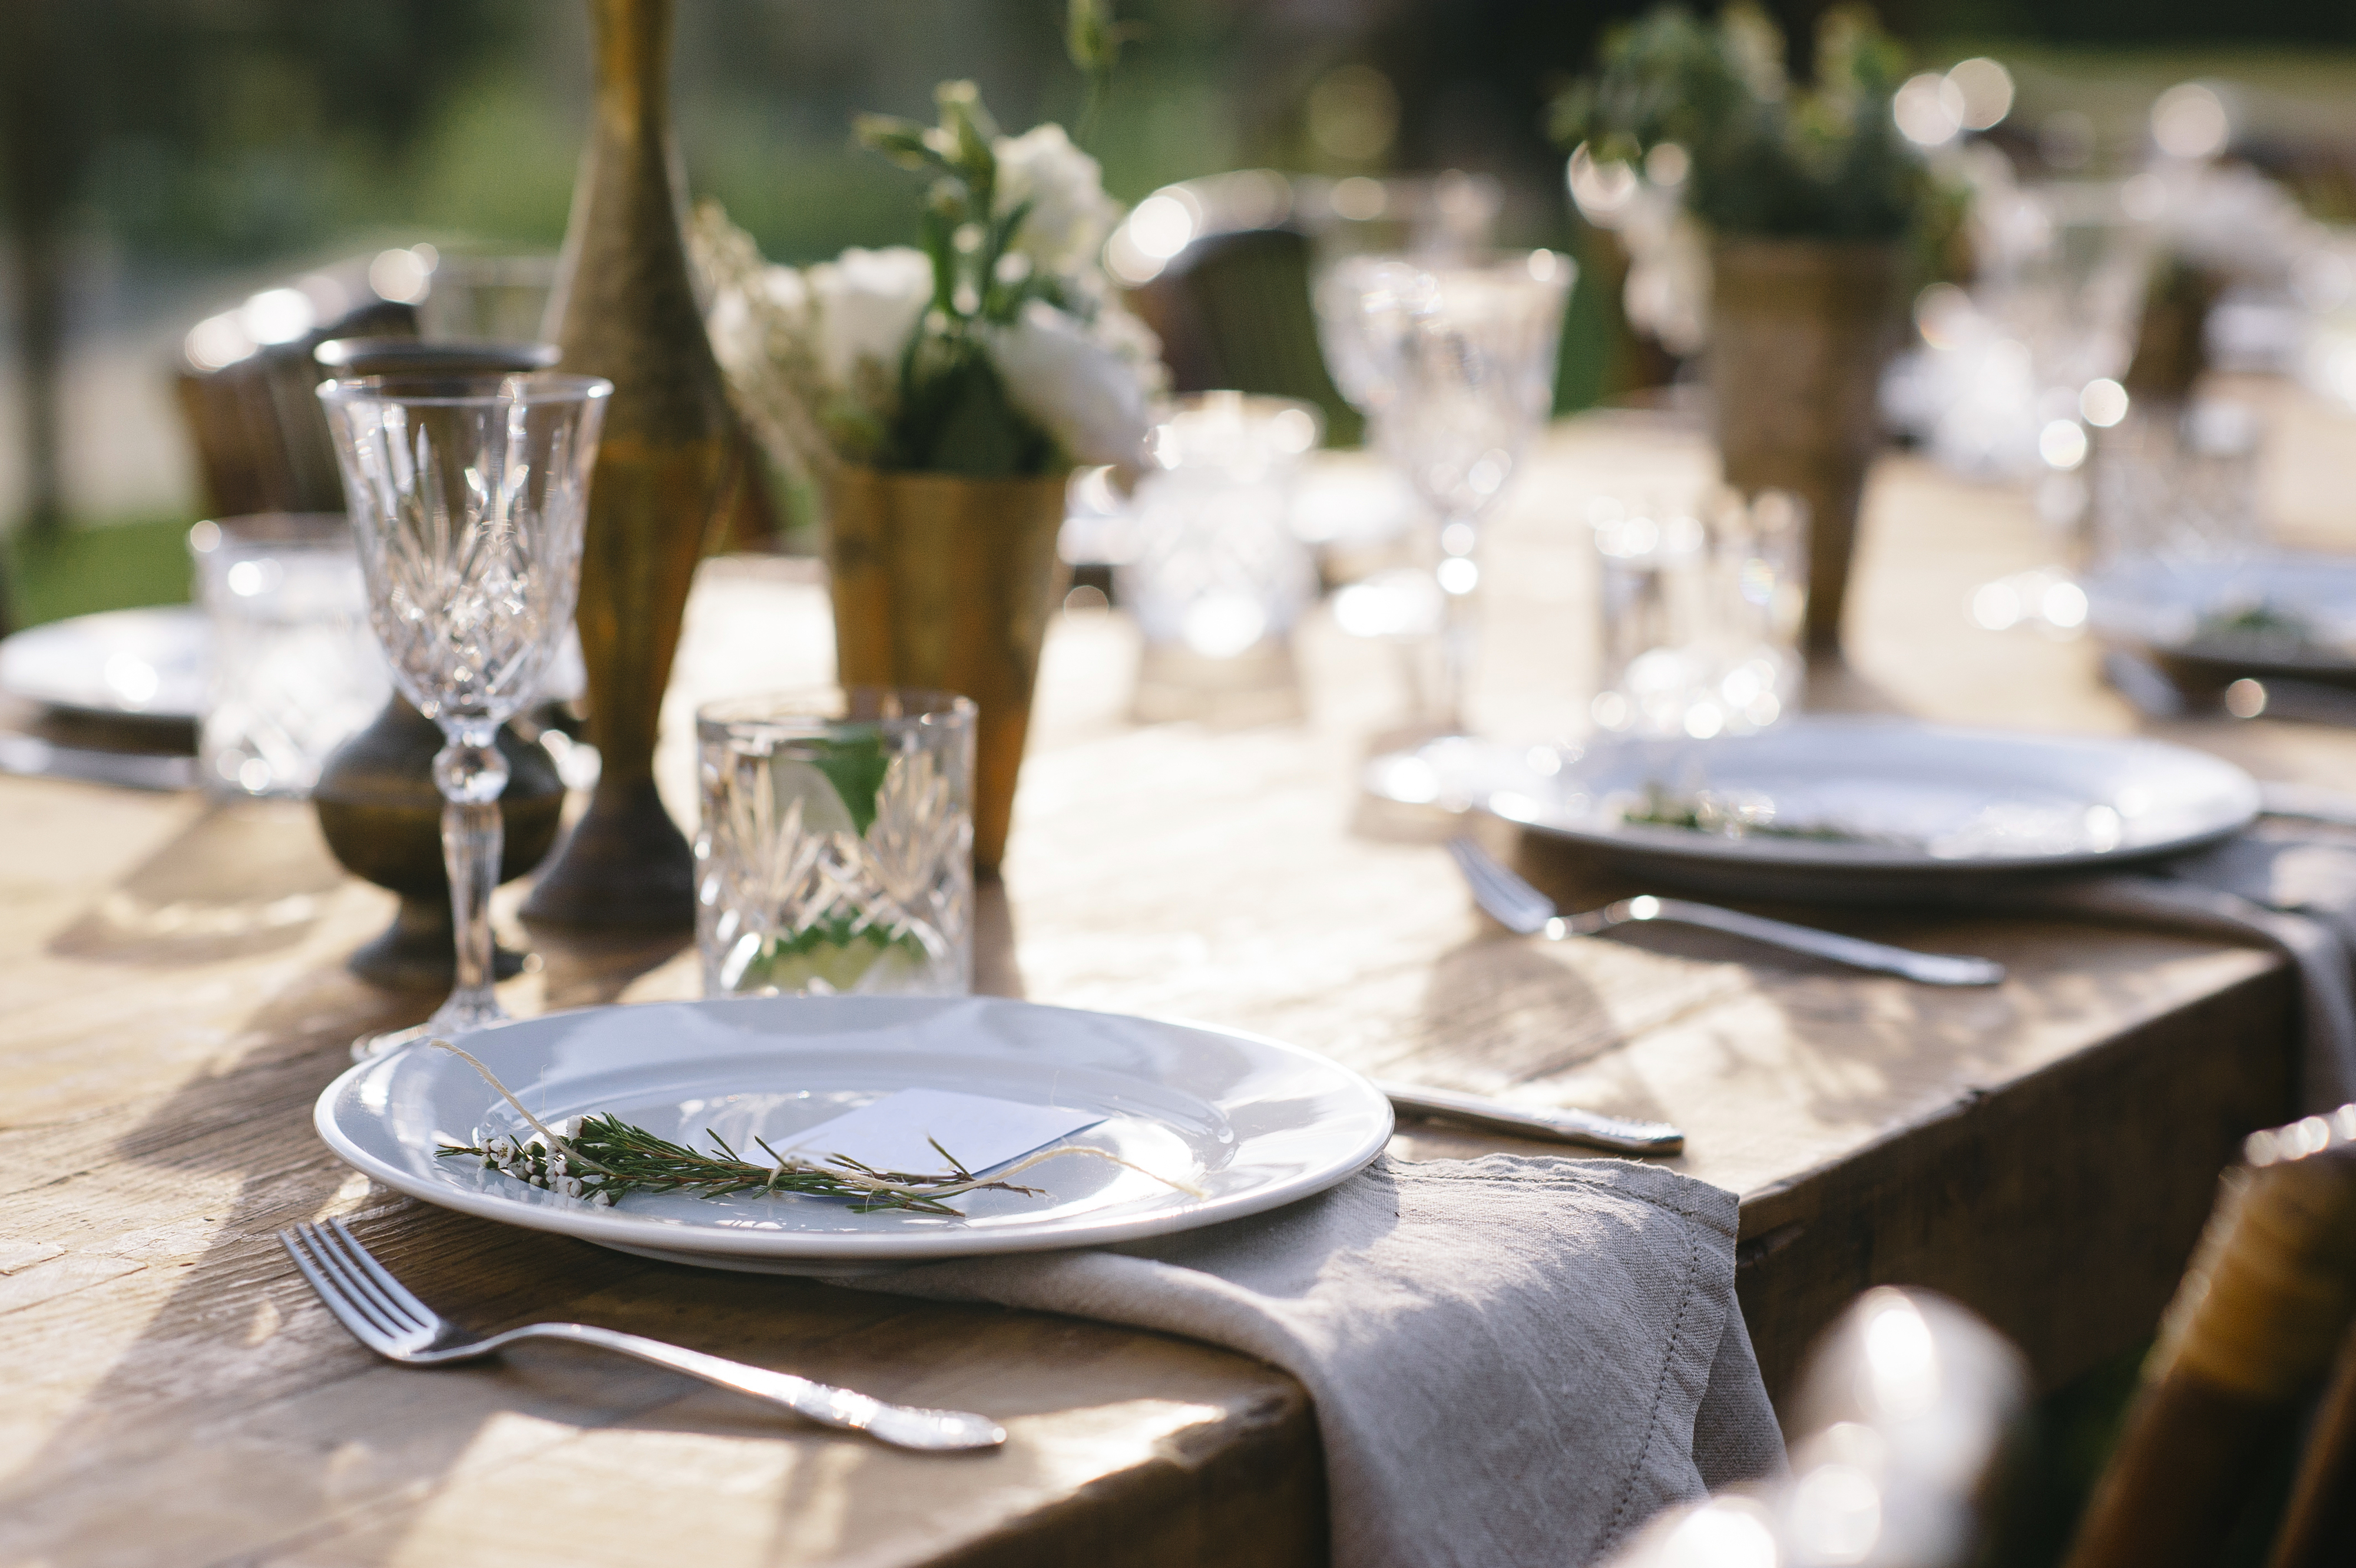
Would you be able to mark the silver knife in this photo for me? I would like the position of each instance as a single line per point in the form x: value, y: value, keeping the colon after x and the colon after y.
x: 1618, y: 1134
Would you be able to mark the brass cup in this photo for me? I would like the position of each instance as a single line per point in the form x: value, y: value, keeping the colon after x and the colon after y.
x: 945, y: 582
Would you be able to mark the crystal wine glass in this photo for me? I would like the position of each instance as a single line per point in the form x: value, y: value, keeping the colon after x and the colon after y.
x: 1473, y: 382
x: 468, y: 496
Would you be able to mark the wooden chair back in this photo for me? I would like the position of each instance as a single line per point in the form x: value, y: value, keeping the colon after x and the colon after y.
x: 1232, y: 304
x: 2254, y: 1329
x: 260, y: 436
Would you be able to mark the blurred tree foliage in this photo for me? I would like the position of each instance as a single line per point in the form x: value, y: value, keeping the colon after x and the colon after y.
x: 241, y: 128
x: 201, y: 137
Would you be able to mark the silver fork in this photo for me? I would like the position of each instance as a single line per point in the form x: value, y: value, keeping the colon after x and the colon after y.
x: 1518, y: 907
x: 385, y: 1317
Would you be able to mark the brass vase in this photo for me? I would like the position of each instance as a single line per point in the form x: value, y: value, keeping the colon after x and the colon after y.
x: 381, y: 814
x: 1799, y: 331
x: 667, y: 473
x: 944, y: 583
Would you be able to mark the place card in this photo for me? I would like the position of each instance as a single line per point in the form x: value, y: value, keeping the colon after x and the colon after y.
x: 982, y: 1132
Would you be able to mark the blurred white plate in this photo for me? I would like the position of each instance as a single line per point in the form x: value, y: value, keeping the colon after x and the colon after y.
x: 156, y: 664
x: 2184, y: 612
x: 1901, y: 808
x: 146, y: 663
x: 1253, y: 1123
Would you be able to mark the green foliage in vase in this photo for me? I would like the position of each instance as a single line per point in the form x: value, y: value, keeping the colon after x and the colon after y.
x: 856, y: 764
x: 1767, y: 157
x: 954, y: 415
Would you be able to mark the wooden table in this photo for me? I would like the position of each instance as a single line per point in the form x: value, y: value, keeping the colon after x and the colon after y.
x: 174, y: 1001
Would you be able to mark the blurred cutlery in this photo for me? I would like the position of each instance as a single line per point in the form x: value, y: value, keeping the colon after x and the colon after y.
x: 1518, y: 907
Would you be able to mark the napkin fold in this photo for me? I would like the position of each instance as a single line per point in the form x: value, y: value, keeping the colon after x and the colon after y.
x: 1514, y: 1360
x: 2290, y: 885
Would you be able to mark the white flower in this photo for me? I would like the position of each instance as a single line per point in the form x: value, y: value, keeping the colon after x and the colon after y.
x: 866, y: 305
x: 603, y: 1199
x: 1071, y: 217
x: 1087, y: 385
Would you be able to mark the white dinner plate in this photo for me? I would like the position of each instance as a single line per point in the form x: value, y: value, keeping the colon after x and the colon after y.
x: 1851, y: 807
x: 1251, y: 1123
x: 146, y: 663
x: 158, y: 664
x: 2281, y: 612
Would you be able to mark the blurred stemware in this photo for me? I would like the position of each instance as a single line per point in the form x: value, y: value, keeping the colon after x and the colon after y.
x: 468, y: 496
x: 1473, y: 378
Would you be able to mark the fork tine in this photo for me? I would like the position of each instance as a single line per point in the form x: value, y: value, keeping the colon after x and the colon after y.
x: 424, y: 1315
x: 1508, y: 884
x: 348, y: 1283
x: 356, y: 1281
x: 360, y: 1325
x: 1514, y: 902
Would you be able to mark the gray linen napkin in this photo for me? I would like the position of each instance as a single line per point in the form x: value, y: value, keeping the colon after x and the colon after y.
x: 2292, y: 886
x: 1514, y: 1360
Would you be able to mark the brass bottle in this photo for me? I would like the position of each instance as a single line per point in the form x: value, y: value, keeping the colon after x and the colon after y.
x: 625, y: 308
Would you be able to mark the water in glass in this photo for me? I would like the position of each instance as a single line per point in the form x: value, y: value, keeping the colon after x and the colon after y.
x: 835, y: 855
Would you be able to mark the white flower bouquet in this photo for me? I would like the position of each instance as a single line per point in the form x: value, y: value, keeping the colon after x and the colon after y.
x: 995, y: 351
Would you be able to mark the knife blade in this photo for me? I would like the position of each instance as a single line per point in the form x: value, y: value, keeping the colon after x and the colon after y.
x: 1619, y: 1134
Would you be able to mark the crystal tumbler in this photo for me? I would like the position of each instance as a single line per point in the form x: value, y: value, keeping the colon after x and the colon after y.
x: 835, y: 855
x: 295, y: 670
x: 1700, y: 612
x: 1218, y: 568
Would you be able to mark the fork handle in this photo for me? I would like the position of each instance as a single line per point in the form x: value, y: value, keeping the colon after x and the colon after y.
x: 1926, y: 968
x: 829, y: 1406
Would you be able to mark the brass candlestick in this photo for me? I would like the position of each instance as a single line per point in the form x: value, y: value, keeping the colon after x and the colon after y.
x: 665, y: 476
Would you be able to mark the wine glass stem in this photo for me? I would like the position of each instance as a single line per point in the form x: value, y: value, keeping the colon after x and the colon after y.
x: 471, y: 773
x: 1460, y: 580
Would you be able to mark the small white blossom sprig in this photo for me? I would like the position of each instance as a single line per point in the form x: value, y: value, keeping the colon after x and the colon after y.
x: 607, y: 1159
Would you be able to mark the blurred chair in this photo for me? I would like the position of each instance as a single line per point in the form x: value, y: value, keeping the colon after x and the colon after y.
x: 1902, y: 1421
x: 1220, y: 267
x: 246, y: 383
x: 248, y: 380
x: 2319, y: 1525
x: 2265, y: 1308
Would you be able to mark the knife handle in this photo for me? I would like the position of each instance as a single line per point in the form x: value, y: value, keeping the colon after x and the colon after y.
x: 1618, y: 1134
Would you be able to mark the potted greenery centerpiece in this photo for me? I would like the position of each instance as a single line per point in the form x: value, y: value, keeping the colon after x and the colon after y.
x: 1811, y: 198
x: 938, y: 399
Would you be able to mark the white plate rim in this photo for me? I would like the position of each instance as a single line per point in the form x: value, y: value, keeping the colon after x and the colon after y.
x: 1805, y: 854
x: 2122, y: 608
x: 182, y: 618
x: 613, y: 1228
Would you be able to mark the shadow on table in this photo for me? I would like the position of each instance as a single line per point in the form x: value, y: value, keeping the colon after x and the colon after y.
x: 171, y: 910
x: 249, y: 1423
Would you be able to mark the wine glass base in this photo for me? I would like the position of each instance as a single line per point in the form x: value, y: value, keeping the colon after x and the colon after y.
x: 449, y: 1020
x: 1445, y: 774
x: 376, y: 1042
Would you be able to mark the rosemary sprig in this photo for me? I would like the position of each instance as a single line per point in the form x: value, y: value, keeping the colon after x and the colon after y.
x: 608, y: 1158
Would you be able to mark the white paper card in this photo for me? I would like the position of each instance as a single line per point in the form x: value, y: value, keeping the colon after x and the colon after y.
x: 982, y: 1132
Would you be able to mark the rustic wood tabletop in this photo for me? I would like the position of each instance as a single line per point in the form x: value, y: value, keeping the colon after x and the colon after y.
x: 172, y: 1000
